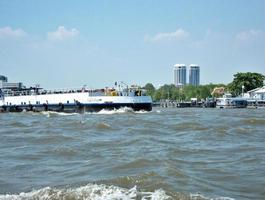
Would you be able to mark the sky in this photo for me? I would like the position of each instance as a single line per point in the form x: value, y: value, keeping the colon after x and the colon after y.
x: 67, y: 43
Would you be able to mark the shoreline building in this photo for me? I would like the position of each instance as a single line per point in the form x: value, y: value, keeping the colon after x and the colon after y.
x: 194, y: 75
x: 180, y: 75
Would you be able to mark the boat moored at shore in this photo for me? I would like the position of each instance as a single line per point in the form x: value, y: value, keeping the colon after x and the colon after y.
x: 227, y: 101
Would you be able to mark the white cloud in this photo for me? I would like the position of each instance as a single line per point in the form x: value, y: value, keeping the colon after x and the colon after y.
x: 62, y: 33
x: 8, y: 32
x: 248, y: 35
x: 178, y: 35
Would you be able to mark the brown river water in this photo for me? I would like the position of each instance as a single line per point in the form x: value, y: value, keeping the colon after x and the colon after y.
x: 169, y: 153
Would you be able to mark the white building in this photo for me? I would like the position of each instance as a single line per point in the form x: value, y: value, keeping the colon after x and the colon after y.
x: 180, y: 75
x: 194, y: 75
x: 257, y: 93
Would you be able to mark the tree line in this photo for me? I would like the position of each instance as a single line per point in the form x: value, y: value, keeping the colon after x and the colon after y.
x: 248, y: 80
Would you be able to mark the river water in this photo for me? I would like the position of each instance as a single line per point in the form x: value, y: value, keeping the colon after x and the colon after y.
x: 191, y: 153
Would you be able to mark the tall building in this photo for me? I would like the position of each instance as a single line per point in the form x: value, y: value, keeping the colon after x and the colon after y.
x: 179, y: 75
x: 194, y: 75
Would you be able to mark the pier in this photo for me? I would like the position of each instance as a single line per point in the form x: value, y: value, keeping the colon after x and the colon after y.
x: 165, y: 103
x: 208, y: 103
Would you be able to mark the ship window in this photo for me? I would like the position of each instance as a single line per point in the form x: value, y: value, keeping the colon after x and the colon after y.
x: 24, y: 103
x: 10, y: 104
x: 67, y: 101
x: 21, y: 103
x: 6, y: 103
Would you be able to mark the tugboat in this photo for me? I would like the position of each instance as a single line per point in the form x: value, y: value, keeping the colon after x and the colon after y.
x: 19, y: 98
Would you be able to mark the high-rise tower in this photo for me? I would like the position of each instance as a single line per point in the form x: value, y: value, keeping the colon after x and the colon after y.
x: 194, y: 75
x: 179, y: 75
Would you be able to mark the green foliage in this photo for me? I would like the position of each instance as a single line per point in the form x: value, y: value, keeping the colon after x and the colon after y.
x: 199, y: 92
x: 249, y: 80
x: 184, y: 93
x: 150, y: 89
x: 157, y: 95
x: 165, y: 92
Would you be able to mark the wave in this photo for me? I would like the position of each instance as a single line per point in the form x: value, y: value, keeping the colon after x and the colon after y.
x: 201, y: 197
x: 89, y: 192
x: 54, y: 113
x: 117, y: 111
x: 141, y: 112
x: 103, y: 125
x: 101, y: 112
x: 102, y: 192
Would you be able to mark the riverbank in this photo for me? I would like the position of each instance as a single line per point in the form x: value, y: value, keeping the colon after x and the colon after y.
x: 203, y: 104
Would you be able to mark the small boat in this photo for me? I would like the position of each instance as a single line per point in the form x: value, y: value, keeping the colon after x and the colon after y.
x: 227, y: 101
x: 74, y: 100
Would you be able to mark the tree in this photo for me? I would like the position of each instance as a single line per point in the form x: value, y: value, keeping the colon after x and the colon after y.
x: 205, y: 92
x: 157, y: 95
x: 248, y: 80
x: 150, y: 89
x: 184, y: 93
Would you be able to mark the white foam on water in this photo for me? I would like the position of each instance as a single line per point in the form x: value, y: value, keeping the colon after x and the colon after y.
x: 200, y: 196
x: 101, y: 112
x: 88, y: 192
x: 66, y: 114
x: 156, y: 195
x: 49, y: 113
x: 142, y: 112
x: 115, y: 111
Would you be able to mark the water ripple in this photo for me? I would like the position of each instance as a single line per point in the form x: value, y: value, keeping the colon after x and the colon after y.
x: 167, y: 153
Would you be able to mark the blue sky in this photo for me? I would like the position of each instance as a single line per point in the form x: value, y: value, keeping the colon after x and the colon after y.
x: 61, y: 44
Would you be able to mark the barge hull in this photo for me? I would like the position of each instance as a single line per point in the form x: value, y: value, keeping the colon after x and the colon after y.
x: 76, y: 108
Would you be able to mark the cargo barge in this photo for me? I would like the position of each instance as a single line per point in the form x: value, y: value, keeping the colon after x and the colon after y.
x: 20, y: 98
